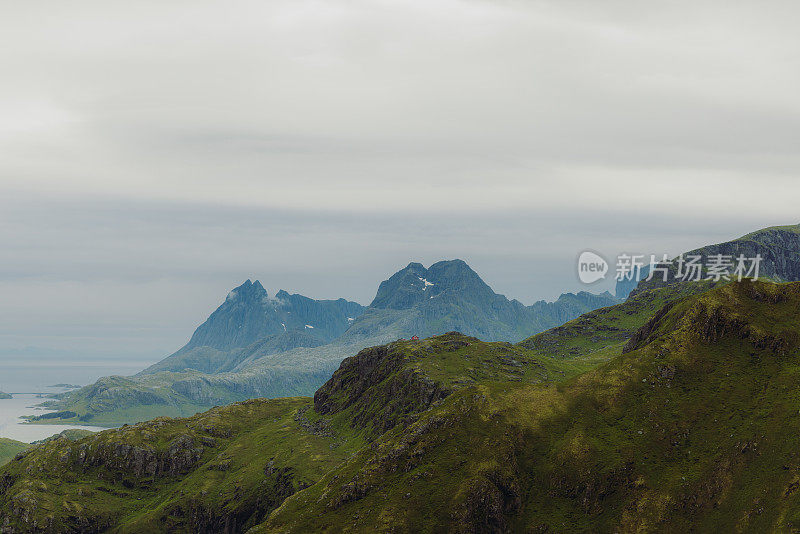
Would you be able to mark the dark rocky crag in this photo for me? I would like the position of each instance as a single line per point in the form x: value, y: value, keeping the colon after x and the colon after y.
x: 779, y: 247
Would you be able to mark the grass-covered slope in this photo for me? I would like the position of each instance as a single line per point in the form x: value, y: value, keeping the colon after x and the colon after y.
x: 71, y: 434
x: 598, y: 336
x: 692, y: 426
x: 226, y: 468
x: 229, y: 467
x: 10, y: 448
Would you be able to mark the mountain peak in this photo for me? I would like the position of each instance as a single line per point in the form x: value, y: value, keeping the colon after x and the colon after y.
x: 249, y: 315
x: 248, y: 290
x: 415, y: 284
x: 458, y: 273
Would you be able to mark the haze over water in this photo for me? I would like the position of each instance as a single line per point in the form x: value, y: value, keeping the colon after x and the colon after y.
x: 11, y: 426
x: 25, y: 377
x: 35, y: 375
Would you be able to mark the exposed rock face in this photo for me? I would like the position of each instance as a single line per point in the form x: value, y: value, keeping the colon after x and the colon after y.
x: 646, y: 332
x: 378, y: 392
x: 248, y: 316
x: 415, y: 284
x: 279, y: 484
x: 179, y: 457
x: 451, y: 296
x: 778, y: 246
x: 713, y: 321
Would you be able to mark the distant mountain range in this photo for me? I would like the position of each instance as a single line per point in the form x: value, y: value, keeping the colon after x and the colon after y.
x: 255, y: 345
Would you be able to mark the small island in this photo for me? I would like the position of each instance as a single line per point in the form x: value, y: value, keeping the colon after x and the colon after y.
x: 5, y: 395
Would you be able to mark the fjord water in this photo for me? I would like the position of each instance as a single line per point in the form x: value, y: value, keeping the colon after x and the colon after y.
x: 33, y: 373
x: 30, y: 381
x: 11, y: 426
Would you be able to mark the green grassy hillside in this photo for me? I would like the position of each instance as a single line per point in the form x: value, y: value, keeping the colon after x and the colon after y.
x: 10, y: 448
x: 694, y: 427
x: 690, y: 422
x: 596, y: 337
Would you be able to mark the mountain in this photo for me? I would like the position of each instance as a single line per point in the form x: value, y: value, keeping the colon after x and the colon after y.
x: 415, y: 285
x: 4, y: 395
x: 692, y: 426
x: 250, y: 316
x: 226, y: 361
x: 779, y: 246
x: 451, y: 296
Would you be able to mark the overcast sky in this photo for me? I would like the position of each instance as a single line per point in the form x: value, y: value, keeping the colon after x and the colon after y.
x: 153, y: 155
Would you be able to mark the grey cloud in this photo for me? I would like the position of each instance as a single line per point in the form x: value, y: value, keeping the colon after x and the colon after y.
x: 151, y: 158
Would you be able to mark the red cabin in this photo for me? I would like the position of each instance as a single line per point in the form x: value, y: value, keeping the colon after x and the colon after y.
x: 414, y: 338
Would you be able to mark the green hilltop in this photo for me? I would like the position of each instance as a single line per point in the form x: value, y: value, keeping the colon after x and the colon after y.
x: 672, y: 412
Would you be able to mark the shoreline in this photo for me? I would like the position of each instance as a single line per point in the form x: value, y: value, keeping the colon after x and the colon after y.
x: 13, y: 424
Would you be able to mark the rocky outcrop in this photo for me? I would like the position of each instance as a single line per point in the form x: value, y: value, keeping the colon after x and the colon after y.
x: 179, y: 456
x: 712, y: 319
x: 241, y: 513
x: 645, y: 334
x: 378, y: 390
x: 779, y: 248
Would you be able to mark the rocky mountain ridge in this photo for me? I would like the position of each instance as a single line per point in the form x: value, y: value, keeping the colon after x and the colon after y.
x: 778, y: 246
x: 213, y: 369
